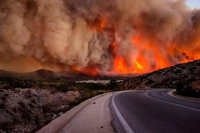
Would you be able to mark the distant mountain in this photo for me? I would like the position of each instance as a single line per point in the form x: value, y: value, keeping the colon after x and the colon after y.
x: 168, y: 77
x: 43, y: 74
x: 36, y: 75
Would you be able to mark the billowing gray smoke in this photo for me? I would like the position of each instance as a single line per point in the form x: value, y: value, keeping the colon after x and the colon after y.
x: 68, y: 33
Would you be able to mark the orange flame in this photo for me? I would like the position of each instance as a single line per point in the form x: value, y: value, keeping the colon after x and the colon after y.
x: 92, y: 71
x: 141, y: 64
x: 99, y: 24
x: 120, y: 66
x: 162, y: 56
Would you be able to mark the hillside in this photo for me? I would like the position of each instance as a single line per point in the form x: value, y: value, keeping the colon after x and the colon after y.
x: 188, y: 73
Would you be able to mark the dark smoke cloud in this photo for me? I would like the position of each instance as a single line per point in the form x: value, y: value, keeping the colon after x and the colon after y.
x: 58, y: 33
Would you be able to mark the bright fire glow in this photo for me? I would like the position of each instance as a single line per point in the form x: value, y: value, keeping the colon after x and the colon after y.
x: 93, y: 71
x: 140, y: 63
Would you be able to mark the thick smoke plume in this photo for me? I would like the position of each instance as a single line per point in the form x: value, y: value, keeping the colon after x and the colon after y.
x: 105, y: 36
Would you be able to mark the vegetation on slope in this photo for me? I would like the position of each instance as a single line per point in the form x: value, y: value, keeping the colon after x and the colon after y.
x: 190, y: 90
x: 188, y: 74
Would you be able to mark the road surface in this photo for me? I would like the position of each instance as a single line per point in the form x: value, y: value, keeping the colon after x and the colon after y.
x: 154, y: 111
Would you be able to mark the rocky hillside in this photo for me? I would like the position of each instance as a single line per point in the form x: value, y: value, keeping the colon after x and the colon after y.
x: 167, y: 78
x: 27, y: 110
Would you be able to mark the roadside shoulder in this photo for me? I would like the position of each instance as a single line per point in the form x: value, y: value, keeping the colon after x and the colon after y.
x: 58, y: 124
x: 95, y: 118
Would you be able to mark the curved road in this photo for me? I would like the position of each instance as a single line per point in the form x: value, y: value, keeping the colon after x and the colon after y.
x: 154, y: 111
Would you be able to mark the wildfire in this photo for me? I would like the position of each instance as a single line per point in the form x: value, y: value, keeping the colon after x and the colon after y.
x: 99, y: 37
x: 121, y: 67
x: 92, y: 71
x: 140, y: 63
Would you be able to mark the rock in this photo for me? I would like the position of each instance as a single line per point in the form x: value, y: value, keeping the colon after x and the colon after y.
x: 147, y: 88
x: 73, y: 95
x: 6, y: 118
x: 1, y: 103
x: 61, y: 113
x: 54, y: 116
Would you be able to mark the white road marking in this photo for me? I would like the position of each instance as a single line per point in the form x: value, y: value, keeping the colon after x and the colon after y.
x: 121, y: 118
x: 183, y: 106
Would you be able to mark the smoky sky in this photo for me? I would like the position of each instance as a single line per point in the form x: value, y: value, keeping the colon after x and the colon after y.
x: 60, y: 34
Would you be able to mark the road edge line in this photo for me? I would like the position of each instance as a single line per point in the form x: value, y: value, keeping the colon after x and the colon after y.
x: 175, y: 104
x: 171, y: 93
x: 125, y: 125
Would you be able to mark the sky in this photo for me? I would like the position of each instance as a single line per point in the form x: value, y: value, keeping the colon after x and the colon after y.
x: 193, y: 3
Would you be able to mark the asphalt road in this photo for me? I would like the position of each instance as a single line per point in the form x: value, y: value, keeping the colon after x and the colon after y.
x: 155, y: 112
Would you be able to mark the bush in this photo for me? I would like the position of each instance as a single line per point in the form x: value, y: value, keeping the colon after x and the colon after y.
x: 112, y: 85
x: 75, y: 102
x: 37, y: 120
x: 186, y: 89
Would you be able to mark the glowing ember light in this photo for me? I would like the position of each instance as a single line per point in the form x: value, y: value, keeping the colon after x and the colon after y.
x: 93, y: 71
x: 138, y: 65
x: 121, y: 67
x: 99, y: 24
